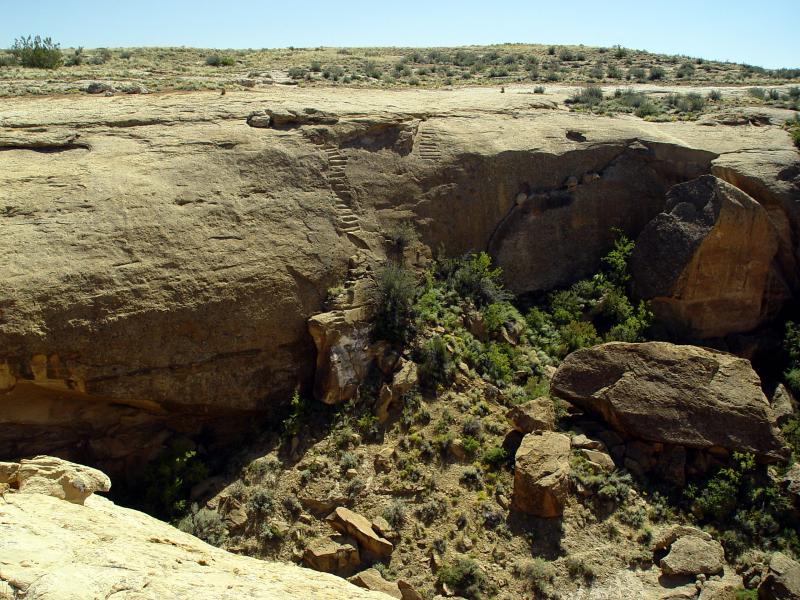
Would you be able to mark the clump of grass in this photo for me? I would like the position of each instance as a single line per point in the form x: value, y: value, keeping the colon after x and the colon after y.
x: 588, y: 96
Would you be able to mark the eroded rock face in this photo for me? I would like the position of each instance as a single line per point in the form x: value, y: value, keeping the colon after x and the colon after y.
x: 782, y: 581
x: 51, y: 549
x: 541, y: 474
x: 173, y: 254
x: 707, y: 263
x: 58, y: 478
x: 677, y: 395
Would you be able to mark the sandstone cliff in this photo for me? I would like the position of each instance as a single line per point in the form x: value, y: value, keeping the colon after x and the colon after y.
x: 161, y: 256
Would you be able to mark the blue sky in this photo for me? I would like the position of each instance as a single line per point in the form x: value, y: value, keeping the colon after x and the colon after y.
x: 761, y: 33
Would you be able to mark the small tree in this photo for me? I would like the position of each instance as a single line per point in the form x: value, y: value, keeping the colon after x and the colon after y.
x: 37, y: 53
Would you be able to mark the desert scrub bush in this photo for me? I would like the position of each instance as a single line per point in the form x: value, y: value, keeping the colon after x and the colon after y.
x: 794, y: 130
x: 613, y: 486
x: 715, y: 95
x: 494, y: 457
x: 465, y: 578
x: 299, y: 409
x: 435, y: 364
x: 539, y: 89
x: 791, y: 346
x: 401, y: 235
x: 473, y: 277
x: 686, y: 103
x: 220, y: 60
x: 37, y: 52
x: 296, y: 73
x: 395, y: 514
x: 393, y: 296
x: 757, y: 92
x: 348, y: 460
x: 588, y: 96
x: 261, y: 501
x: 746, y: 506
x: 537, y: 573
x: 657, y: 73
x: 471, y: 478
x: 204, y: 524
x: 578, y: 566
x: 685, y: 71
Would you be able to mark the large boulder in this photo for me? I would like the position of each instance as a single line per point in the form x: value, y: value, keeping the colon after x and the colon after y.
x: 677, y: 395
x: 693, y: 555
x: 54, y: 477
x: 331, y: 556
x: 782, y: 581
x: 541, y: 474
x: 706, y: 262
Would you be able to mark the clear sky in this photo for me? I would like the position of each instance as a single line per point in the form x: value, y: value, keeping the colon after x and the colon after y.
x: 762, y: 33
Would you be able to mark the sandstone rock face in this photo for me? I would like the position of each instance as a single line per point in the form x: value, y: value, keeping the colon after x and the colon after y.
x: 541, y: 474
x: 782, y: 581
x: 58, y: 478
x: 56, y: 550
x: 706, y: 262
x: 536, y: 415
x: 677, y: 395
x: 343, y: 354
x: 172, y: 255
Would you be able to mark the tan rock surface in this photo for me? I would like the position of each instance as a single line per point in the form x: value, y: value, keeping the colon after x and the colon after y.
x: 679, y: 395
x: 357, y: 526
x: 52, y: 549
x: 541, y: 474
x: 160, y: 252
x: 707, y: 264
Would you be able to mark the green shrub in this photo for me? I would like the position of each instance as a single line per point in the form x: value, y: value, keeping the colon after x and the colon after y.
x: 685, y: 71
x: 401, y: 235
x: 588, y: 96
x: 204, y: 524
x: 393, y: 296
x: 298, y: 412
x: 217, y: 60
x: 261, y: 501
x: 757, y: 92
x: 539, y: 89
x: 167, y: 481
x: 715, y: 95
x: 296, y: 72
x: 472, y: 277
x: 395, y: 513
x: 495, y: 457
x: 538, y: 574
x: 435, y: 363
x: 637, y: 73
x: 37, y: 53
x: 657, y: 73
x: 465, y: 578
x: 471, y: 445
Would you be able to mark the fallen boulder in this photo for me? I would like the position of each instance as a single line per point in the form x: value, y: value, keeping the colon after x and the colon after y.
x: 359, y: 528
x: 536, y: 415
x: 782, y: 581
x: 706, y: 262
x: 330, y: 556
x: 677, y: 395
x: 541, y: 474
